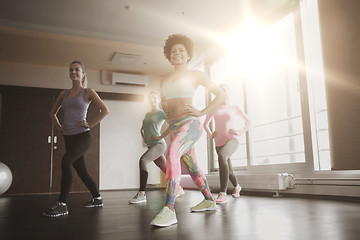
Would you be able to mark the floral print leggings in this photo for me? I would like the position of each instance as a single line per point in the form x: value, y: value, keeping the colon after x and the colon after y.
x: 184, y: 132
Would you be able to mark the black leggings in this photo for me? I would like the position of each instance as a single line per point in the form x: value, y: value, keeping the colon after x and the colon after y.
x: 75, y: 146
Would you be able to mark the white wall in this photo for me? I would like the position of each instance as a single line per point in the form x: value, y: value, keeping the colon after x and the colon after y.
x: 120, y: 140
x: 57, y: 77
x: 121, y: 146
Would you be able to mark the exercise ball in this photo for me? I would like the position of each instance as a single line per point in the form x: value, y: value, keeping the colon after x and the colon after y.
x: 5, y: 178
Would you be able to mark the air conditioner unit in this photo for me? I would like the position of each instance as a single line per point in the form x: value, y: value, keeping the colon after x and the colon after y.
x: 129, y: 79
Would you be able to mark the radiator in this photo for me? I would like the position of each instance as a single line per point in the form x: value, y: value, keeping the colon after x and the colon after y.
x: 249, y: 182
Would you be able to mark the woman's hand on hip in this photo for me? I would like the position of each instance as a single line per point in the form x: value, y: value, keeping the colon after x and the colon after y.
x: 82, y: 123
x: 214, y: 134
x: 190, y: 110
x: 233, y: 132
x: 156, y: 137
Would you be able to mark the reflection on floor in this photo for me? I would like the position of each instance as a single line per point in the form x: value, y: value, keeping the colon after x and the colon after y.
x: 248, y: 217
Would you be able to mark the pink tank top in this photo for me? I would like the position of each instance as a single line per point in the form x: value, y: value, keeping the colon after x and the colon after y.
x: 224, y: 117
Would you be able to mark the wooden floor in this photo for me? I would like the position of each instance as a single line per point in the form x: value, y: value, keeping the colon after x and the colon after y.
x: 248, y: 217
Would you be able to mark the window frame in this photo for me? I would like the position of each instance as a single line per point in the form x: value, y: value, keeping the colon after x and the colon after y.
x: 306, y: 166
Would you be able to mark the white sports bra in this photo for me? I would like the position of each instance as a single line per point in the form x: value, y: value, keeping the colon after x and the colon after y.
x: 181, y: 88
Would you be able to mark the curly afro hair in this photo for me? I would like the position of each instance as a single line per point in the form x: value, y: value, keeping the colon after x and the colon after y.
x: 176, y: 39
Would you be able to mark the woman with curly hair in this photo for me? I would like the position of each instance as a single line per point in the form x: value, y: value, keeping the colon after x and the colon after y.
x: 177, y: 90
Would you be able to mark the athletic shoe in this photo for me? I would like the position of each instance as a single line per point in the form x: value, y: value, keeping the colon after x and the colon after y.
x: 205, y: 205
x: 180, y: 193
x: 57, y: 210
x: 165, y: 218
x: 95, y: 202
x: 236, y: 192
x: 221, y: 198
x: 139, y: 198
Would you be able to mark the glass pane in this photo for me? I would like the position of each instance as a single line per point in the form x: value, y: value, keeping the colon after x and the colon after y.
x: 278, y: 142
x: 225, y: 72
x: 316, y: 84
x: 273, y: 100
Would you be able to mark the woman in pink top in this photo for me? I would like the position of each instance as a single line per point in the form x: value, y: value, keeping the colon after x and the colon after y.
x: 226, y: 142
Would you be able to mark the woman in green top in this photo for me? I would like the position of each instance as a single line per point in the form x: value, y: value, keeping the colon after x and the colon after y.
x: 150, y: 132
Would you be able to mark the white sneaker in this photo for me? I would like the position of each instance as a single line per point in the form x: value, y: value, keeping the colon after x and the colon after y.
x: 139, y: 198
x: 180, y: 193
x: 165, y: 218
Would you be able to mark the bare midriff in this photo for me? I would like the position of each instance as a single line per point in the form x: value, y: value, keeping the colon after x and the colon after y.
x: 176, y: 107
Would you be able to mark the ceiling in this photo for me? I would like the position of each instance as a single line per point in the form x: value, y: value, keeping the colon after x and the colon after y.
x: 56, y: 32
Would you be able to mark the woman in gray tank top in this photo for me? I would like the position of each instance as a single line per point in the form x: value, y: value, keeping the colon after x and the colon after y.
x: 76, y: 131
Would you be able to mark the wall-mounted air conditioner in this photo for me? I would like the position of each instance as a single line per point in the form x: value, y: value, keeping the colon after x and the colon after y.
x: 129, y: 79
